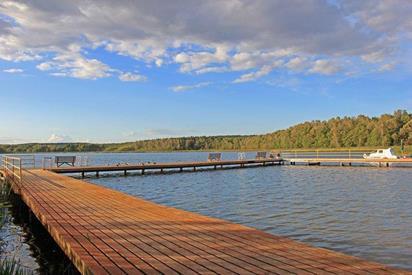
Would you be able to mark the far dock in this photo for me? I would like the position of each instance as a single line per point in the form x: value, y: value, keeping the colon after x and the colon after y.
x: 162, y: 167
x: 262, y: 159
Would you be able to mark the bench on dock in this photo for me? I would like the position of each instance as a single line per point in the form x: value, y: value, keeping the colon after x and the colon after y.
x: 274, y: 155
x: 214, y: 157
x: 261, y: 155
x: 68, y: 160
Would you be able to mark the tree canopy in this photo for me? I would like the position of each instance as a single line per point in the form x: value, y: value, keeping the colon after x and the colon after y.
x: 360, y: 131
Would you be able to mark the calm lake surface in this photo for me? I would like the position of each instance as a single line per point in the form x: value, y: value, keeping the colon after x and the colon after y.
x: 362, y: 211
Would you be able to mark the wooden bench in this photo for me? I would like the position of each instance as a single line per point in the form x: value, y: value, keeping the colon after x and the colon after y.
x: 274, y: 155
x: 68, y: 160
x: 214, y: 157
x: 261, y: 155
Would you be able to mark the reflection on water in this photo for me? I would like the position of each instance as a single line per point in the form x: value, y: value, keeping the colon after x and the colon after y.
x: 364, y: 212
x: 26, y: 241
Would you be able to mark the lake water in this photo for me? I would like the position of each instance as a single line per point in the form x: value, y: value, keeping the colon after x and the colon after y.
x: 362, y: 211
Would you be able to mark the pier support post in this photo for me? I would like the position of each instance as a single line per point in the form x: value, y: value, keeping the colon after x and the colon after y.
x: 215, y: 167
x: 125, y: 172
x: 82, y: 175
x: 97, y: 174
x: 194, y: 168
x: 142, y: 171
x: 30, y: 216
x: 181, y: 169
x: 161, y: 170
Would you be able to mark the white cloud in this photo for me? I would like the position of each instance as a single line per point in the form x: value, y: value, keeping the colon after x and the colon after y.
x: 298, y: 63
x: 13, y: 70
x: 212, y: 70
x: 55, y: 138
x: 386, y: 67
x: 265, y: 70
x: 210, y: 36
x: 197, y: 61
x: 146, y: 49
x: 59, y: 74
x: 182, y: 88
x: 12, y: 50
x: 374, y: 57
x: 325, y: 67
x: 132, y: 77
x: 73, y: 64
x: 45, y: 66
x: 80, y: 67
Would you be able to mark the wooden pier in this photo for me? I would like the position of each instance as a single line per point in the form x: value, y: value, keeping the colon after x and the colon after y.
x: 107, y: 232
x: 103, y: 231
x: 168, y: 166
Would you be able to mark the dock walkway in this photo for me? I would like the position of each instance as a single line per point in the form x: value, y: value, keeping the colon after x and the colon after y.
x: 107, y: 232
x: 179, y: 166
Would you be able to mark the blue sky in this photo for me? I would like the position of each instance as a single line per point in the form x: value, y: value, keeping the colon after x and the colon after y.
x: 112, y: 71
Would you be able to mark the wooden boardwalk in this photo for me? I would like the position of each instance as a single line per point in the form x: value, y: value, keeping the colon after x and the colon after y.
x: 179, y: 166
x: 107, y: 232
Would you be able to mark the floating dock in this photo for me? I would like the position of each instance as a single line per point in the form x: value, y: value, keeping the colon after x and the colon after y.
x: 406, y: 162
x: 103, y: 231
x: 342, y: 158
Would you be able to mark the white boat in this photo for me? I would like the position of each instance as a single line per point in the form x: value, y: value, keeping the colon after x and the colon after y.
x: 381, y: 154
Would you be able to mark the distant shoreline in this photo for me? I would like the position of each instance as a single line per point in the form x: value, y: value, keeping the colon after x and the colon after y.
x: 407, y: 150
x: 336, y: 134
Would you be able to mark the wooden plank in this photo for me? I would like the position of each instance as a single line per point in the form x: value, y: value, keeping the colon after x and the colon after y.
x: 107, y: 232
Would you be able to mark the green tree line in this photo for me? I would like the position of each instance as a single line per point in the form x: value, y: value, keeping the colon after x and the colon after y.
x: 360, y: 131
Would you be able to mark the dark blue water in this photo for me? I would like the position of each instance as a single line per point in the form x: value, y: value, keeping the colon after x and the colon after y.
x: 362, y: 211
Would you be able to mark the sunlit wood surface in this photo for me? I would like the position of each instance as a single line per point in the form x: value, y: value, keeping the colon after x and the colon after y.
x: 107, y: 232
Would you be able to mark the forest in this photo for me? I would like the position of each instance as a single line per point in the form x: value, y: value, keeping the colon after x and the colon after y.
x: 339, y: 132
